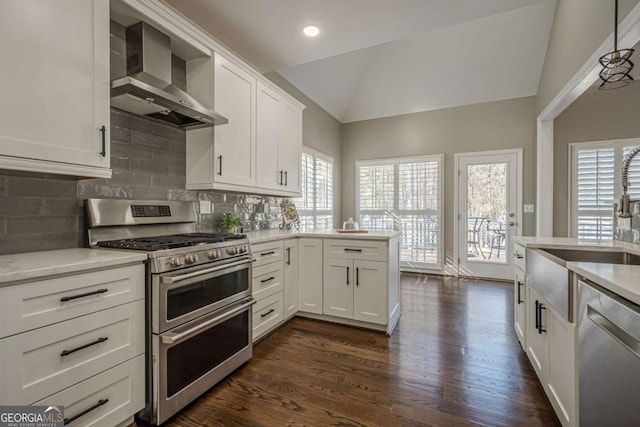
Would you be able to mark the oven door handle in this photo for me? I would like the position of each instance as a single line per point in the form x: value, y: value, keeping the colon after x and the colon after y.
x: 175, y: 279
x: 172, y: 338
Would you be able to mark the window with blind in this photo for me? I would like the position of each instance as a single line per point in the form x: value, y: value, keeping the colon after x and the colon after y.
x: 596, y: 183
x: 315, y: 206
x: 404, y: 194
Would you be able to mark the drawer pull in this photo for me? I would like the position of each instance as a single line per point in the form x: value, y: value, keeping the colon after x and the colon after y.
x: 352, y: 250
x: 86, y: 411
x: 268, y: 253
x: 73, y: 350
x: 88, y: 294
x: 520, y: 301
x: 267, y: 279
x: 267, y: 313
x: 517, y: 255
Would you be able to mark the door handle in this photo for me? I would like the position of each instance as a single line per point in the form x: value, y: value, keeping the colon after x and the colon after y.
x: 281, y: 180
x: 540, y: 328
x: 357, y: 276
x: 288, y: 256
x: 537, y: 316
x: 519, y: 292
x: 220, y: 166
x: 286, y: 178
x: 103, y: 131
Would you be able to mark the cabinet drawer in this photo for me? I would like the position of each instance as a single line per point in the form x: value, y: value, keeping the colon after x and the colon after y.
x: 33, y: 305
x: 41, y: 362
x: 264, y: 253
x: 267, y: 313
x: 356, y: 249
x: 122, y: 387
x: 267, y: 280
x: 520, y: 255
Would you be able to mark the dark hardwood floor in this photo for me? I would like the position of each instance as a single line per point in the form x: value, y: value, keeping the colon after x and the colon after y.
x: 453, y: 360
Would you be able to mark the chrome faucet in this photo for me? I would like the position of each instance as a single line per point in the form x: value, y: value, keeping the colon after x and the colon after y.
x: 624, y: 199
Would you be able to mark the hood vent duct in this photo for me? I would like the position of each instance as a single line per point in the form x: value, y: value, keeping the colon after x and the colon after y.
x: 147, y: 90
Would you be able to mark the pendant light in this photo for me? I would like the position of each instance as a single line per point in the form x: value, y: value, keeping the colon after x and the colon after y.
x: 616, y: 65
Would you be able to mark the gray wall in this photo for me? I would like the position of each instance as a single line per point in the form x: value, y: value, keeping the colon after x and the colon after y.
x: 489, y: 126
x: 595, y: 116
x: 579, y: 28
x: 320, y: 131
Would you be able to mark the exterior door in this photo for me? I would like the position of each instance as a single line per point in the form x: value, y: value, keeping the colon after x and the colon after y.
x: 489, y: 187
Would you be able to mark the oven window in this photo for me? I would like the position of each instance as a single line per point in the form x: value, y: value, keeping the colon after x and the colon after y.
x: 189, y: 360
x: 186, y: 299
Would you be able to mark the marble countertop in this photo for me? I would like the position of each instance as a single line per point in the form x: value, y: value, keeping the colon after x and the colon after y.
x: 620, y: 279
x: 270, y: 235
x: 36, y: 265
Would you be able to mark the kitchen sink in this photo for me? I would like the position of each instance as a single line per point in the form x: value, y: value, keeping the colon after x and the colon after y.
x: 608, y: 257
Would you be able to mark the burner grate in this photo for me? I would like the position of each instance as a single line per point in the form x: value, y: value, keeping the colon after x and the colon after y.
x: 170, y: 242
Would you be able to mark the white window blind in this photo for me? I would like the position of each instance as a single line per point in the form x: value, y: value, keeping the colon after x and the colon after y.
x: 315, y: 205
x: 596, y: 184
x: 404, y: 194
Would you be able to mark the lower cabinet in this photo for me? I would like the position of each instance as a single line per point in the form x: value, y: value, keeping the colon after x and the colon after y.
x: 519, y: 307
x: 551, y: 347
x: 355, y: 289
x: 290, y: 277
x: 267, y: 314
x: 310, y: 277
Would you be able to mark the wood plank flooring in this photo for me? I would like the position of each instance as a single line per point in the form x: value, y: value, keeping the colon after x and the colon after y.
x: 453, y: 360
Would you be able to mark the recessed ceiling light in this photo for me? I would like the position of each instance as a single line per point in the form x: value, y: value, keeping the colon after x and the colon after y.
x: 311, y: 31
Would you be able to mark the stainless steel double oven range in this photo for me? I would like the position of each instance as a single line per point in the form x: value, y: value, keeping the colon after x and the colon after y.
x: 198, y: 290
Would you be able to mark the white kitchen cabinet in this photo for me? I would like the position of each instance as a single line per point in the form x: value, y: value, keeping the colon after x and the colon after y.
x: 355, y: 289
x: 338, y: 287
x: 310, y: 278
x: 224, y: 157
x: 279, y: 142
x: 54, y: 108
x: 290, y: 277
x: 519, y: 306
x: 551, y: 344
x: 267, y: 315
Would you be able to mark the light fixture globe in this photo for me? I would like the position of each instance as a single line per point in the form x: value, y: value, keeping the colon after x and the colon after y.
x: 616, y: 69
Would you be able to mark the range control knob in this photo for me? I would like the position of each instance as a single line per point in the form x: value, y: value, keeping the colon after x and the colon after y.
x: 192, y: 258
x: 232, y: 250
x: 243, y: 249
x: 213, y: 254
x: 177, y: 261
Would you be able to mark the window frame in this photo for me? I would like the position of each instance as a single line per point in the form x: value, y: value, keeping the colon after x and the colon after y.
x: 396, y: 161
x: 315, y: 212
x: 618, y: 146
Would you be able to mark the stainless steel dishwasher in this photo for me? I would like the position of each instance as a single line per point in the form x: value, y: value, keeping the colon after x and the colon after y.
x: 608, y: 358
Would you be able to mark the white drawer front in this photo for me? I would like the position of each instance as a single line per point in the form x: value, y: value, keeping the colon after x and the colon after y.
x: 264, y: 253
x: 33, y: 365
x: 267, y: 314
x: 267, y: 280
x: 33, y: 305
x: 369, y: 250
x: 121, y: 387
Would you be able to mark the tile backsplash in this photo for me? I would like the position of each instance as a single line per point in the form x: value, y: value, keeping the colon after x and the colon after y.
x: 43, y: 211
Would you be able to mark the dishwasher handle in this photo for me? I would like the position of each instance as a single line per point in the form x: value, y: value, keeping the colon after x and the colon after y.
x: 616, y: 332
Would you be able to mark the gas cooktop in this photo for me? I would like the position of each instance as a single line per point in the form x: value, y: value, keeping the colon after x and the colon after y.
x: 157, y: 243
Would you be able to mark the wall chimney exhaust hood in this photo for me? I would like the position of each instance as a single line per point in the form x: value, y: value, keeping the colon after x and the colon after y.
x: 147, y: 89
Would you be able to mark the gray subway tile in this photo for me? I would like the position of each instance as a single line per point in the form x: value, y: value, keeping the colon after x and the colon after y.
x: 128, y: 177
x: 47, y: 224
x: 63, y: 207
x: 65, y: 240
x: 22, y: 206
x: 15, y: 244
x: 169, y: 182
x: 3, y: 186
x: 18, y: 186
x: 149, y: 193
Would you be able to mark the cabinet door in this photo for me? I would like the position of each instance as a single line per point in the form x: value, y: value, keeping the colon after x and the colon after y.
x: 290, y: 145
x: 561, y: 378
x: 55, y: 86
x: 290, y: 277
x: 370, y: 300
x: 268, y: 171
x: 310, y: 277
x: 519, y: 306
x: 338, y: 287
x: 537, y: 343
x: 234, y: 143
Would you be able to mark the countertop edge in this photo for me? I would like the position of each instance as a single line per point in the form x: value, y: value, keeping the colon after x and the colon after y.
x: 19, y: 268
x: 273, y: 235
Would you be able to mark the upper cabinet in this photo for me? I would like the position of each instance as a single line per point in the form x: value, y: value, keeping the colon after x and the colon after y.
x: 54, y: 108
x: 279, y: 136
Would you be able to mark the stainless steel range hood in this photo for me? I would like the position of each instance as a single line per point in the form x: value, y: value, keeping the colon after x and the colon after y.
x: 148, y: 91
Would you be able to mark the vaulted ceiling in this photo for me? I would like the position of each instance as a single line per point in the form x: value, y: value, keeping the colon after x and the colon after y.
x: 378, y: 58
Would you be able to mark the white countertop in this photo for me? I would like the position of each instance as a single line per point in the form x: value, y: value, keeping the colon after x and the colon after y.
x: 623, y: 280
x: 35, y: 265
x: 274, y: 234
